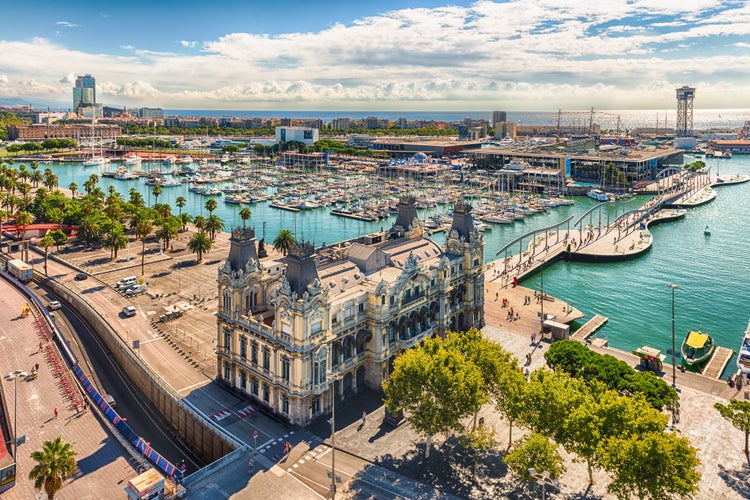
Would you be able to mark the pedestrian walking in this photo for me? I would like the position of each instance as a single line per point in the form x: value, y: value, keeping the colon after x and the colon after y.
x: 55, y: 411
x: 251, y: 464
x: 533, y: 337
x: 364, y: 417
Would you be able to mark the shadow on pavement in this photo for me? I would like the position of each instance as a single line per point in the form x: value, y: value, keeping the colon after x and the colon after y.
x: 348, y: 412
x: 737, y: 479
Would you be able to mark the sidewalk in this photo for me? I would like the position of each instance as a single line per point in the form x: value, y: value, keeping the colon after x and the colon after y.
x: 103, y: 467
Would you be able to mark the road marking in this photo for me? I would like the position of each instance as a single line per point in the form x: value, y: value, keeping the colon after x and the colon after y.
x: 246, y: 411
x: 220, y: 415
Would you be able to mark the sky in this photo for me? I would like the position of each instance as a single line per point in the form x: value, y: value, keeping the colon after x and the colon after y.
x: 420, y: 55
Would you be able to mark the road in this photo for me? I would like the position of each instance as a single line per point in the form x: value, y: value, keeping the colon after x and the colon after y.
x: 97, y: 362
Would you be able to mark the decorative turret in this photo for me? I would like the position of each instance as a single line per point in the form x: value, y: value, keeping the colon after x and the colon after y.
x: 301, y: 270
x: 407, y: 212
x: 463, y: 223
x: 242, y: 248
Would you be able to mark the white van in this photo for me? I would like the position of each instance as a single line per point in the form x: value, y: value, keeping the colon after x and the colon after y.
x: 136, y: 289
x: 126, y: 282
x: 128, y: 311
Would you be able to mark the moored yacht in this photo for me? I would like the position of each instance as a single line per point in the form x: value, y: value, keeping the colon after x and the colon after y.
x: 743, y: 356
x: 598, y: 195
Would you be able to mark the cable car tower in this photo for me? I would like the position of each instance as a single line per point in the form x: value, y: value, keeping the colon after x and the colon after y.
x: 684, y: 138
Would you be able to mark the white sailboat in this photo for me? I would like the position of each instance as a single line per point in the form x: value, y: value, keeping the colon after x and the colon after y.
x: 95, y: 160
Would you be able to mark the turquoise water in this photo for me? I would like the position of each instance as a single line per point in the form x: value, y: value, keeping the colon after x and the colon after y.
x: 711, y: 272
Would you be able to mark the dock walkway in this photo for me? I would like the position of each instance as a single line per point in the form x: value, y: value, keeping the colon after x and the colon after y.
x: 589, y: 328
x: 718, y: 362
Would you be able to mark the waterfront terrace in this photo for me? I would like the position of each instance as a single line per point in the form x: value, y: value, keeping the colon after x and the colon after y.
x: 636, y: 163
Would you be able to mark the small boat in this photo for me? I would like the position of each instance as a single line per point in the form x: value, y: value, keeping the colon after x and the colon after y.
x: 697, y: 348
x: 598, y: 195
x: 707, y: 231
x: 96, y: 161
x: 743, y: 357
x: 133, y: 159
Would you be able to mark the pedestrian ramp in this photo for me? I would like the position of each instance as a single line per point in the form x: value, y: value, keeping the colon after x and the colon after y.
x: 718, y: 362
x: 589, y: 328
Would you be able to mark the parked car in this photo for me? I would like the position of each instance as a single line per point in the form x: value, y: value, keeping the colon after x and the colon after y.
x: 110, y: 400
x: 54, y: 305
x: 81, y: 276
x: 128, y: 311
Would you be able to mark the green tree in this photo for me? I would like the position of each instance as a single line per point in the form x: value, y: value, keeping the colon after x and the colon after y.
x: 55, y: 462
x: 59, y: 237
x: 211, y: 205
x: 509, y: 395
x: 656, y: 465
x: 200, y: 244
x: 185, y: 219
x: 157, y: 191
x: 46, y: 242
x: 180, y: 202
x: 245, y: 214
x: 435, y: 387
x: 605, y: 418
x: 214, y: 224
x: 23, y: 219
x: 535, y: 451
x: 738, y: 413
x: 115, y: 239
x: 142, y: 230
x: 169, y: 229
x: 284, y: 241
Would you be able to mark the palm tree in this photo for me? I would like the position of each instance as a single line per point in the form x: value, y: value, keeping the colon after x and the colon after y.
x: 55, y: 462
x: 46, y: 242
x: 284, y: 241
x: 245, y: 214
x: 136, y: 198
x: 157, y: 191
x: 115, y: 240
x: 214, y: 224
x: 169, y: 229
x: 199, y: 222
x: 180, y: 202
x: 200, y: 244
x: 73, y: 188
x: 142, y: 230
x: 185, y: 218
x: 23, y: 219
x: 211, y: 205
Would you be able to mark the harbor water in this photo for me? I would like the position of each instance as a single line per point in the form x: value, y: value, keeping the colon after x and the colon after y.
x: 710, y: 271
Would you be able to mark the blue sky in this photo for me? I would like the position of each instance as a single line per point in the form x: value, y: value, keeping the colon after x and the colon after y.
x: 387, y: 55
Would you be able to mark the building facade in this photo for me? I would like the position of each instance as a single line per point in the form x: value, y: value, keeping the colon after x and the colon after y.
x: 293, y: 331
x: 305, y: 135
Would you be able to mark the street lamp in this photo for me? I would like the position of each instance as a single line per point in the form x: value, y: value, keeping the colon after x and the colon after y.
x: 334, y: 376
x: 674, y: 375
x: 14, y: 377
x: 545, y: 480
x: 541, y: 301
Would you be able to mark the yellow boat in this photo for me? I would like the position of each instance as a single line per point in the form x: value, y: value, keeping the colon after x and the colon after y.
x: 697, y: 348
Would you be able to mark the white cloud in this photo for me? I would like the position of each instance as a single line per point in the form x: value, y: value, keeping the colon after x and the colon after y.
x: 517, y: 54
x: 66, y: 24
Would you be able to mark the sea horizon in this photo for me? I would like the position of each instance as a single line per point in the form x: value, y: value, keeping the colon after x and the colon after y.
x: 703, y: 119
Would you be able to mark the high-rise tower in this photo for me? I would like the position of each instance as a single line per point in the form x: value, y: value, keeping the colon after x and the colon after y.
x: 84, y: 93
x: 685, y: 96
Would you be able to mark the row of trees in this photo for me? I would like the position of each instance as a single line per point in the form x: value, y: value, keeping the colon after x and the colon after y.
x: 441, y: 385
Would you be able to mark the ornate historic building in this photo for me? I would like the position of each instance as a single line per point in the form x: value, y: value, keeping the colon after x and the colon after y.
x: 288, y: 325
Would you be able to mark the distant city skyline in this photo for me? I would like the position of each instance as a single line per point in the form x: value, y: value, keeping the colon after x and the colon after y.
x: 422, y: 55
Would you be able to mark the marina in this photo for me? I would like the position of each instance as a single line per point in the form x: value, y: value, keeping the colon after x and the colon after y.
x: 635, y: 319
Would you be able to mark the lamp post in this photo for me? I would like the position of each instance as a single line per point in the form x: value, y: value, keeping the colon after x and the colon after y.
x: 545, y: 480
x: 14, y: 377
x: 674, y: 375
x: 334, y: 376
x: 541, y: 302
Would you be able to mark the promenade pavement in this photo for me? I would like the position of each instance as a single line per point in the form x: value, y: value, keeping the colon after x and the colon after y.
x: 104, y: 467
